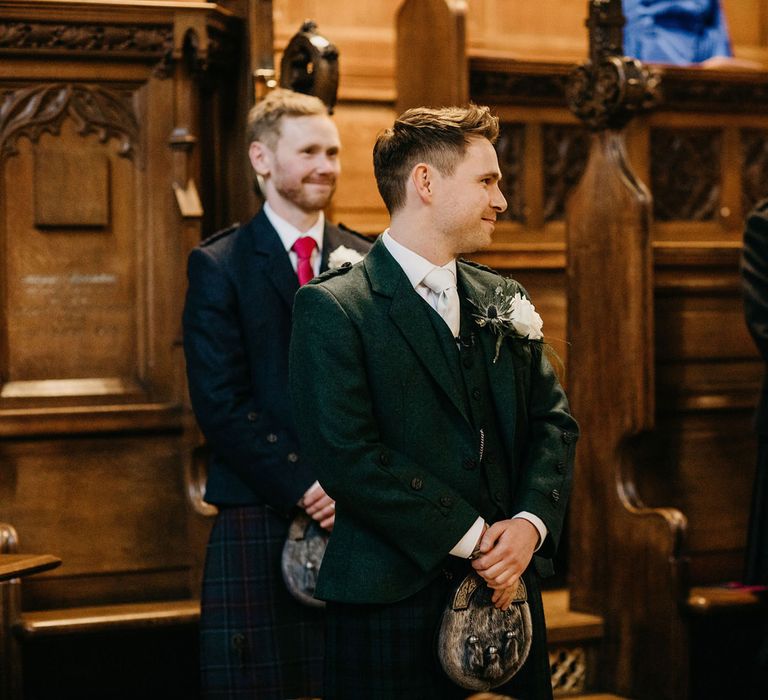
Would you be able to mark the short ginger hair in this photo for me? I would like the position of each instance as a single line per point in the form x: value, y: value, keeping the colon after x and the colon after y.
x: 265, y: 117
x: 438, y: 137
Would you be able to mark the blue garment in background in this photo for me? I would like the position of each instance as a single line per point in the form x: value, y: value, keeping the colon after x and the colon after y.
x: 675, y: 31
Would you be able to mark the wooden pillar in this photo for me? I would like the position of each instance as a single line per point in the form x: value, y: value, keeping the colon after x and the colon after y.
x: 625, y: 557
x: 431, y: 54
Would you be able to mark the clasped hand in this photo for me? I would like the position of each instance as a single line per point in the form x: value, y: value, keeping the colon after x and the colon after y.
x: 319, y: 506
x: 506, y: 549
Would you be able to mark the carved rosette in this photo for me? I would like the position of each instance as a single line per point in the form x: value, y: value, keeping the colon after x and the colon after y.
x: 609, y: 94
x: 35, y: 110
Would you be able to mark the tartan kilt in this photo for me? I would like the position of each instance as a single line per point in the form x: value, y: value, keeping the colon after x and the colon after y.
x: 389, y: 652
x: 256, y: 640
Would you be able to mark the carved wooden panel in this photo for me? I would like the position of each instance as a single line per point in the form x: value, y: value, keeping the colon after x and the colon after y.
x: 30, y: 111
x: 685, y: 173
x: 510, y: 147
x: 72, y: 293
x: 565, y: 156
x: 71, y: 189
x: 754, y: 167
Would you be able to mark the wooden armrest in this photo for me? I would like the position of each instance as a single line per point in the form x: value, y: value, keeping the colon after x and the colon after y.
x: 104, y: 618
x: 707, y: 600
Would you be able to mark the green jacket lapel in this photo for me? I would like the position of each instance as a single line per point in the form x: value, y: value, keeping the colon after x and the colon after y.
x: 410, y: 314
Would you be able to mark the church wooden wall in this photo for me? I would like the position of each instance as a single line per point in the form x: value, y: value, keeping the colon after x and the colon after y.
x: 100, y: 127
x: 543, y: 30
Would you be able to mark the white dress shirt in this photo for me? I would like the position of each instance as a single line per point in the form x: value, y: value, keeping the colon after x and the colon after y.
x: 416, y: 268
x: 289, y: 234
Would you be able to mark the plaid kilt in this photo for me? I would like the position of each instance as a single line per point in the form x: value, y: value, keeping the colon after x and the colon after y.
x: 256, y: 641
x: 389, y: 652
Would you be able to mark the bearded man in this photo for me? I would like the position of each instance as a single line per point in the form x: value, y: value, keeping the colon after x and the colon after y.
x: 257, y: 641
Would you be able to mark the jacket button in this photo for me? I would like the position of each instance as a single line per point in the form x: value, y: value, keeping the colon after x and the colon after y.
x: 476, y: 394
x: 253, y: 416
x: 384, y: 459
x: 292, y: 457
x: 271, y: 438
x: 469, y: 464
x: 560, y: 467
x: 446, y: 501
x: 555, y: 495
x: 568, y: 437
x: 416, y: 484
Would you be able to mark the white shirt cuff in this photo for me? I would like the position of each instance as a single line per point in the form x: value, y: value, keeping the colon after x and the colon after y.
x: 538, y: 523
x: 465, y: 546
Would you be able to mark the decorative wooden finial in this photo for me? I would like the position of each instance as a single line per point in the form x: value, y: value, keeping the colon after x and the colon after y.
x: 310, y: 65
x: 608, y: 90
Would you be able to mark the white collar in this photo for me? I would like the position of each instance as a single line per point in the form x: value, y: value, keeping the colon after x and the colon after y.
x: 289, y: 233
x: 415, y: 267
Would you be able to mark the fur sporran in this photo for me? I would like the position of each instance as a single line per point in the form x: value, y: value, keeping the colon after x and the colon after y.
x: 481, y: 647
x: 302, y: 555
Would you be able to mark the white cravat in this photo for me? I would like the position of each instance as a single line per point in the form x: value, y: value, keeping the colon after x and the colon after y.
x: 445, y: 296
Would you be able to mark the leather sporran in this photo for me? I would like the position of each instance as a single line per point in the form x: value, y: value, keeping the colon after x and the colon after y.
x: 302, y: 555
x: 481, y: 647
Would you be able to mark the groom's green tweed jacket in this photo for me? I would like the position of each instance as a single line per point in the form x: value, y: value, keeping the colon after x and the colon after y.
x: 380, y: 414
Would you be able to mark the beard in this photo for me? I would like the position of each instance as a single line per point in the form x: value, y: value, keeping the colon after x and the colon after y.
x: 304, y: 196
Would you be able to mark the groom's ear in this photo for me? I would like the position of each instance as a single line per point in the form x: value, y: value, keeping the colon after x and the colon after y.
x: 422, y: 180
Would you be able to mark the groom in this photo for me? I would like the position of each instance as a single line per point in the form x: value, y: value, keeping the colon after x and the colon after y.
x: 441, y: 454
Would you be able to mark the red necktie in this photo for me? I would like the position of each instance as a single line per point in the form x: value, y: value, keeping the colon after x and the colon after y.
x: 303, y: 247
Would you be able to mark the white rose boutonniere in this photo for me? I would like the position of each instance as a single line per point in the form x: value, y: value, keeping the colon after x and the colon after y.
x: 341, y: 256
x: 508, y: 314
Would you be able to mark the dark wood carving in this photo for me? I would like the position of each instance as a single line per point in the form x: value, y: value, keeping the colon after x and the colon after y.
x: 754, y: 167
x: 145, y: 40
x: 310, y: 64
x: 701, y: 89
x: 615, y: 536
x: 686, y: 173
x: 495, y: 82
x: 565, y: 157
x: 38, y: 109
x: 608, y: 90
x: 509, y: 148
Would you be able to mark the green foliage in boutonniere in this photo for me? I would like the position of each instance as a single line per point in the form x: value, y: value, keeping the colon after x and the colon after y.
x: 508, y: 314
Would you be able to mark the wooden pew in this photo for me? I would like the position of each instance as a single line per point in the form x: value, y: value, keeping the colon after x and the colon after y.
x: 659, y: 514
